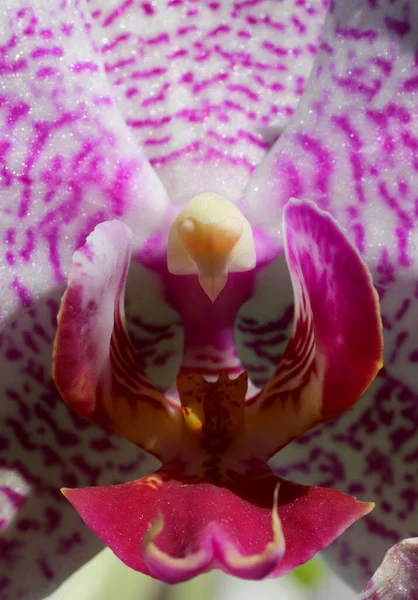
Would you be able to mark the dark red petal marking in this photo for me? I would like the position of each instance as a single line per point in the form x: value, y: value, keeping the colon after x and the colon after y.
x: 95, y: 368
x: 336, y: 347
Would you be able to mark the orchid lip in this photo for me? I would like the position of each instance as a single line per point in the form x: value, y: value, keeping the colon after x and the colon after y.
x: 214, y: 550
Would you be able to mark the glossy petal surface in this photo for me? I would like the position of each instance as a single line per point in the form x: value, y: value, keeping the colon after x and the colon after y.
x: 209, y: 525
x: 397, y: 576
x: 336, y: 347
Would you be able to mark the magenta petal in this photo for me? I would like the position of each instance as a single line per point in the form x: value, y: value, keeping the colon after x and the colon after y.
x: 204, y: 526
x: 337, y: 308
x: 207, y: 526
x: 397, y: 576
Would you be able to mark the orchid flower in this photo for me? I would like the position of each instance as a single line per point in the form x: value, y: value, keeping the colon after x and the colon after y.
x: 214, y: 502
x: 397, y: 576
x: 127, y: 111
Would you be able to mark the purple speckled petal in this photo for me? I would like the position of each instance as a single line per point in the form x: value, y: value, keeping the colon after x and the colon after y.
x: 351, y: 148
x: 207, y: 85
x: 397, y: 576
x: 67, y: 161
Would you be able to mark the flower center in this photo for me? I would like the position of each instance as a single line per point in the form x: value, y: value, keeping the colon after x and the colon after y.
x: 210, y: 237
x: 213, y: 411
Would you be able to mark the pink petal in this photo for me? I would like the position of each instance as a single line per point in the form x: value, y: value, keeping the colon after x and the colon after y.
x: 397, y: 576
x: 205, y: 525
x: 95, y: 368
x: 351, y: 148
x: 336, y: 347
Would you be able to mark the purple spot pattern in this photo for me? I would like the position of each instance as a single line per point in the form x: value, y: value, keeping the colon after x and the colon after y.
x: 67, y: 160
x: 71, y: 111
x: 208, y: 82
x: 45, y: 446
x: 397, y: 576
x: 351, y: 147
x: 263, y: 329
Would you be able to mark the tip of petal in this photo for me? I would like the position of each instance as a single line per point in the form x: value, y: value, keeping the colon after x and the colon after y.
x: 367, y: 507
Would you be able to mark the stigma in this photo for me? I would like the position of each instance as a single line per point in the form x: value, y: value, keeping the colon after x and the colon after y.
x: 211, y: 238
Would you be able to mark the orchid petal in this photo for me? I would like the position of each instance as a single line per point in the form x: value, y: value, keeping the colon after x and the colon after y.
x: 351, y: 148
x: 95, y: 369
x: 207, y: 89
x: 225, y: 525
x: 68, y: 159
x: 336, y: 347
x: 397, y: 576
